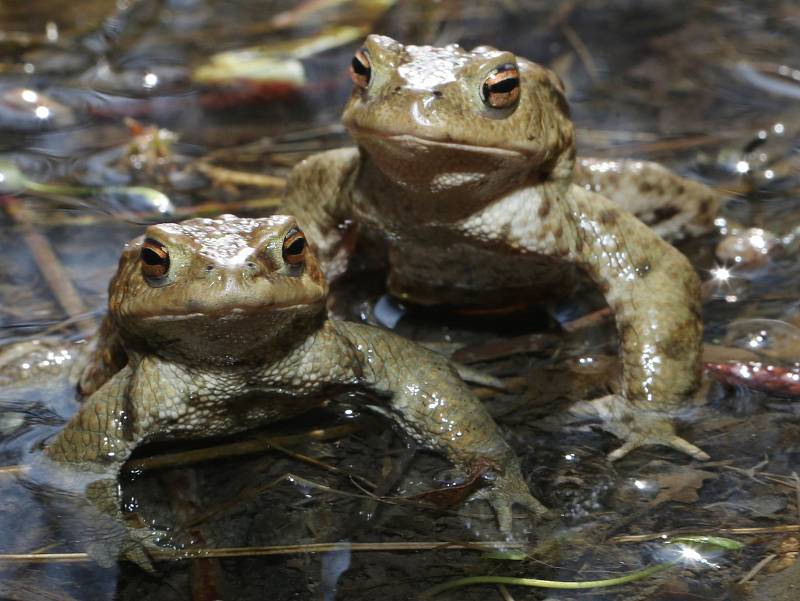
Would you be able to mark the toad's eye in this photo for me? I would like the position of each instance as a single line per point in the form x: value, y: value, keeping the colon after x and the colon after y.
x: 501, y: 88
x: 361, y: 69
x: 294, y: 247
x: 155, y: 259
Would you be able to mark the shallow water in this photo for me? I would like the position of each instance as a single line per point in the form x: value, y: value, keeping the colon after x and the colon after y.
x: 692, y: 84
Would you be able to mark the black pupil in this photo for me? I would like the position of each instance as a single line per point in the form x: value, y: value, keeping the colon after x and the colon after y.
x: 360, y: 68
x: 296, y: 247
x: 505, y: 85
x: 151, y: 257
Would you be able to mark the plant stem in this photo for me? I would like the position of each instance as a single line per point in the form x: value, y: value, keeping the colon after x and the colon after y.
x: 559, y: 584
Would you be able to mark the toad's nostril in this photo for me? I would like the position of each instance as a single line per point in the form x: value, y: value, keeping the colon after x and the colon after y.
x: 437, y: 93
x: 209, y: 268
x: 251, y: 265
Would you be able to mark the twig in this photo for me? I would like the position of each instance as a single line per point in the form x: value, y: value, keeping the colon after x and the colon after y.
x: 638, y: 538
x: 13, y: 469
x: 222, y: 175
x: 504, y: 592
x: 246, y: 447
x: 797, y: 493
x: 322, y: 465
x: 50, y: 267
x: 581, y: 50
x: 206, y: 209
x: 183, y: 554
x: 587, y: 321
x: 757, y: 568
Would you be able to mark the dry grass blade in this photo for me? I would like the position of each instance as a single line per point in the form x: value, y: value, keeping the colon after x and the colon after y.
x: 177, y: 555
x: 639, y: 538
x: 756, y: 569
x: 246, y: 447
x: 222, y: 176
x: 323, y: 465
x: 583, y: 52
x: 50, y: 266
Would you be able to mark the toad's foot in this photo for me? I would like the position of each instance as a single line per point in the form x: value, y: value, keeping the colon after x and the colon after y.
x: 635, y: 426
x: 509, y: 489
x: 118, y: 542
x: 122, y: 537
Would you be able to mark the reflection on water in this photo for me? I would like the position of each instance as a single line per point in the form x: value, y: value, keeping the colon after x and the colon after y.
x: 100, y: 100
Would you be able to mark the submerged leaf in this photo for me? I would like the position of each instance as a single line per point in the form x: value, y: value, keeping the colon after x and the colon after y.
x: 772, y: 379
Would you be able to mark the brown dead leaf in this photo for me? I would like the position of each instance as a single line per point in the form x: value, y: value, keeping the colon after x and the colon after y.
x: 681, y: 485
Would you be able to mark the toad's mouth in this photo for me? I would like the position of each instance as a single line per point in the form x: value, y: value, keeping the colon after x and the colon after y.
x: 410, y: 141
x: 230, y: 313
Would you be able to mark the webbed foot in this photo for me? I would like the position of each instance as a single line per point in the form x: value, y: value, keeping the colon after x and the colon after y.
x: 509, y: 489
x: 636, y: 427
x: 124, y: 537
x: 113, y: 542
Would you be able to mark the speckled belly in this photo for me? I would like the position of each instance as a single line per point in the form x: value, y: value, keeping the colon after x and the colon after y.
x: 462, y: 275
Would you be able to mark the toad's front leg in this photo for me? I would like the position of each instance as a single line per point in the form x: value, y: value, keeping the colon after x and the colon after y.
x: 422, y: 392
x: 650, y: 287
x: 654, y: 294
x: 87, y: 458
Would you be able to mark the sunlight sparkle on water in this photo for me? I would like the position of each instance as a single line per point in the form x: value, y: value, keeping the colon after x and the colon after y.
x: 29, y: 96
x: 691, y: 554
x: 150, y: 80
x: 721, y: 274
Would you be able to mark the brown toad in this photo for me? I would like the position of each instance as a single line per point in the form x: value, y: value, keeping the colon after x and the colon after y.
x: 466, y: 165
x: 218, y: 326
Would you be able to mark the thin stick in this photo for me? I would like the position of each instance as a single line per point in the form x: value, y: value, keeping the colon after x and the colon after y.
x: 50, y: 267
x: 223, y: 175
x: 13, y: 469
x: 583, y: 52
x: 178, y: 555
x: 797, y: 493
x: 325, y: 466
x: 587, y: 321
x: 757, y: 568
x: 638, y: 538
x: 246, y: 447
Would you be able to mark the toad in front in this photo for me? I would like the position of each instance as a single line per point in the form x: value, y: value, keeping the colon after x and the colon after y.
x: 218, y: 326
x: 466, y: 164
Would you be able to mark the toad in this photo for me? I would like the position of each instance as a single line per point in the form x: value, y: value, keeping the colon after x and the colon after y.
x: 216, y: 326
x: 466, y: 165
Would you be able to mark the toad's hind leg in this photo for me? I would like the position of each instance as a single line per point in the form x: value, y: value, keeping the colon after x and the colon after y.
x: 670, y: 204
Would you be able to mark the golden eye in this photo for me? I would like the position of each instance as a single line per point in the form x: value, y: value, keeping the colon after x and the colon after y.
x: 501, y: 88
x: 360, y: 68
x: 294, y: 247
x: 155, y: 259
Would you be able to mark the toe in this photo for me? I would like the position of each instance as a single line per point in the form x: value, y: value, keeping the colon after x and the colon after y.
x: 627, y: 447
x: 502, y: 509
x: 684, y: 446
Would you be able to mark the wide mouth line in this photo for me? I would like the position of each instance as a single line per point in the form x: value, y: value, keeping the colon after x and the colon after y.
x: 434, y: 142
x: 235, y: 311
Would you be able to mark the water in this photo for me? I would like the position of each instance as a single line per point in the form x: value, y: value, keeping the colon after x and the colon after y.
x: 709, y: 88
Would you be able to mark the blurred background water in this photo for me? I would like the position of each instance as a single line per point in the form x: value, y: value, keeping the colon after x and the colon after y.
x: 115, y: 114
